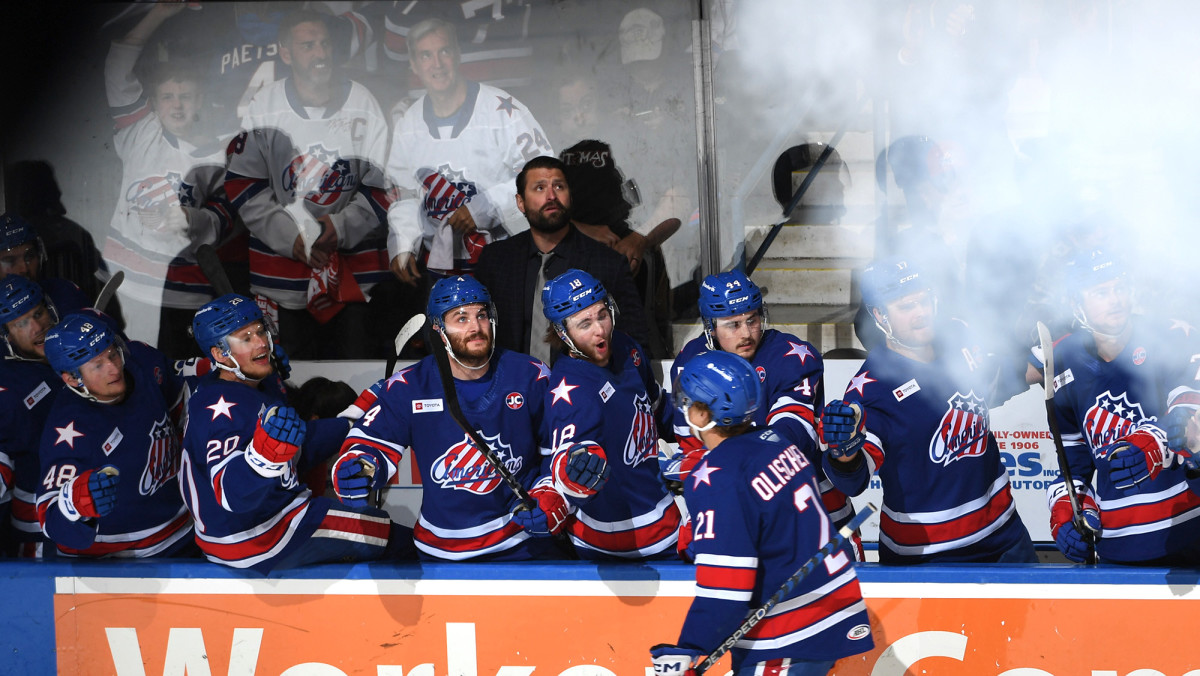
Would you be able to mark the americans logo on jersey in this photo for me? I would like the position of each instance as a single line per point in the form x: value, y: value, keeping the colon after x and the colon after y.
x: 155, y: 192
x: 320, y: 175
x: 1110, y: 418
x: 162, y: 459
x: 642, y: 443
x: 963, y: 431
x: 445, y: 191
x: 464, y: 467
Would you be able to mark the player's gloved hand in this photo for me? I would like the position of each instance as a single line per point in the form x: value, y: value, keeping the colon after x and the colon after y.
x: 581, y: 470
x: 1133, y: 460
x: 277, y: 439
x: 670, y: 468
x: 671, y: 660
x: 841, y: 429
x: 91, y: 494
x: 1072, y: 543
x: 1178, y: 421
x: 684, y: 543
x: 355, y: 474
x: 283, y: 366
x: 548, y: 515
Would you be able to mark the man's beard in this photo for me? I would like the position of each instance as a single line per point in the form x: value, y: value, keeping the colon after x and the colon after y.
x: 542, y: 223
x: 476, y: 357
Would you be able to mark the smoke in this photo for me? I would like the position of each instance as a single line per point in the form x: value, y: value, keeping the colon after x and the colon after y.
x: 1063, y: 124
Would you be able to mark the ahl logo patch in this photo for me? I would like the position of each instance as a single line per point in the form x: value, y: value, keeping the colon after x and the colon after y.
x: 514, y: 400
x: 464, y: 467
x: 1110, y: 418
x: 963, y: 432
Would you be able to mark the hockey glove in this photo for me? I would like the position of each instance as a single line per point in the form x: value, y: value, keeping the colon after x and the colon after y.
x: 1133, y: 460
x: 670, y: 468
x: 841, y: 429
x: 90, y: 495
x: 283, y: 366
x: 1073, y: 544
x: 548, y: 516
x: 671, y: 660
x: 683, y: 546
x: 355, y: 474
x: 581, y: 470
x: 277, y: 439
x: 1178, y: 421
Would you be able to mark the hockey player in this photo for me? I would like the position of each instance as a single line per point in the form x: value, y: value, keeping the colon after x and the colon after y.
x: 467, y: 511
x: 454, y: 156
x: 306, y: 176
x: 1116, y: 378
x: 917, y: 414
x: 27, y: 388
x: 244, y: 450
x: 172, y: 196
x: 731, y: 308
x: 747, y: 544
x: 603, y: 413
x: 22, y: 253
x: 110, y: 450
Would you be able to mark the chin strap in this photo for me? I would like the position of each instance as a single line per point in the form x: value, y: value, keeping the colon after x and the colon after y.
x: 697, y: 430
x: 1081, y: 319
x: 450, y: 350
x: 236, y: 369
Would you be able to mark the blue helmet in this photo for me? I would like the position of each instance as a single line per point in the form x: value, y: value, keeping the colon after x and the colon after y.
x: 76, y: 340
x: 724, y: 382
x: 570, y: 292
x: 18, y: 295
x: 885, y: 280
x: 727, y: 294
x: 15, y: 231
x: 452, y: 292
x: 220, y: 317
x: 1089, y: 268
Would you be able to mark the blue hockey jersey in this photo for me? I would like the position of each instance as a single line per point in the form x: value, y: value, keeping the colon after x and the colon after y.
x: 633, y: 515
x: 27, y: 390
x: 757, y: 517
x: 244, y: 519
x: 791, y: 370
x: 946, y: 494
x: 466, y: 508
x: 140, y: 437
x: 1098, y: 402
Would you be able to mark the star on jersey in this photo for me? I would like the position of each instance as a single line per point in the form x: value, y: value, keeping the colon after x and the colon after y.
x: 800, y: 351
x: 221, y: 408
x: 67, y: 434
x: 399, y: 377
x: 1182, y: 326
x: 455, y: 176
x: 701, y: 475
x: 563, y: 392
x: 506, y: 104
x: 858, y: 382
x: 543, y: 370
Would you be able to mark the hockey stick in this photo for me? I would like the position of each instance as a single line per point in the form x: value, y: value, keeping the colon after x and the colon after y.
x: 450, y: 395
x: 410, y: 329
x: 839, y: 538
x: 109, y: 290
x: 1052, y: 420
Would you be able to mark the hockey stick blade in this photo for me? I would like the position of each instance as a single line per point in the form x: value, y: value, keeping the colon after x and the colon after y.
x: 839, y: 538
x: 1048, y: 375
x: 210, y: 265
x: 110, y: 289
x: 450, y: 395
x: 410, y: 329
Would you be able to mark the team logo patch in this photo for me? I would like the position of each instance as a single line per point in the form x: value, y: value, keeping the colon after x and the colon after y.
x: 860, y: 632
x: 514, y: 400
x: 906, y: 390
x: 319, y: 175
x: 162, y: 459
x: 642, y: 442
x: 963, y: 432
x: 36, y: 395
x: 113, y: 440
x: 636, y: 356
x: 464, y: 467
x: 1110, y: 418
x: 427, y: 406
x: 1139, y: 356
x: 445, y: 191
x: 607, y: 392
x: 762, y: 373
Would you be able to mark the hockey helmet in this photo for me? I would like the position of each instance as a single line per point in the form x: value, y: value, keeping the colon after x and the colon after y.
x: 727, y: 294
x: 220, y: 317
x: 571, y: 292
x: 724, y: 382
x: 1089, y: 268
x: 888, y: 279
x: 18, y: 295
x: 453, y: 292
x: 75, y: 341
x: 15, y: 231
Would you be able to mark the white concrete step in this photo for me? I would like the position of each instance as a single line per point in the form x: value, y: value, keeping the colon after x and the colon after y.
x: 804, y: 285
x: 815, y: 241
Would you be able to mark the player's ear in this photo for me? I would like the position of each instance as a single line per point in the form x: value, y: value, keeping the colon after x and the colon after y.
x: 68, y: 379
x: 521, y: 202
x: 285, y: 54
x: 879, y: 315
x: 699, y: 417
x: 216, y: 354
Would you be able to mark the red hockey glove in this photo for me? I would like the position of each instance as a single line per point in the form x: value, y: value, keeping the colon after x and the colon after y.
x: 548, y: 516
x: 1133, y: 460
x: 581, y: 470
x: 1074, y: 545
x: 90, y: 495
x: 277, y: 439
